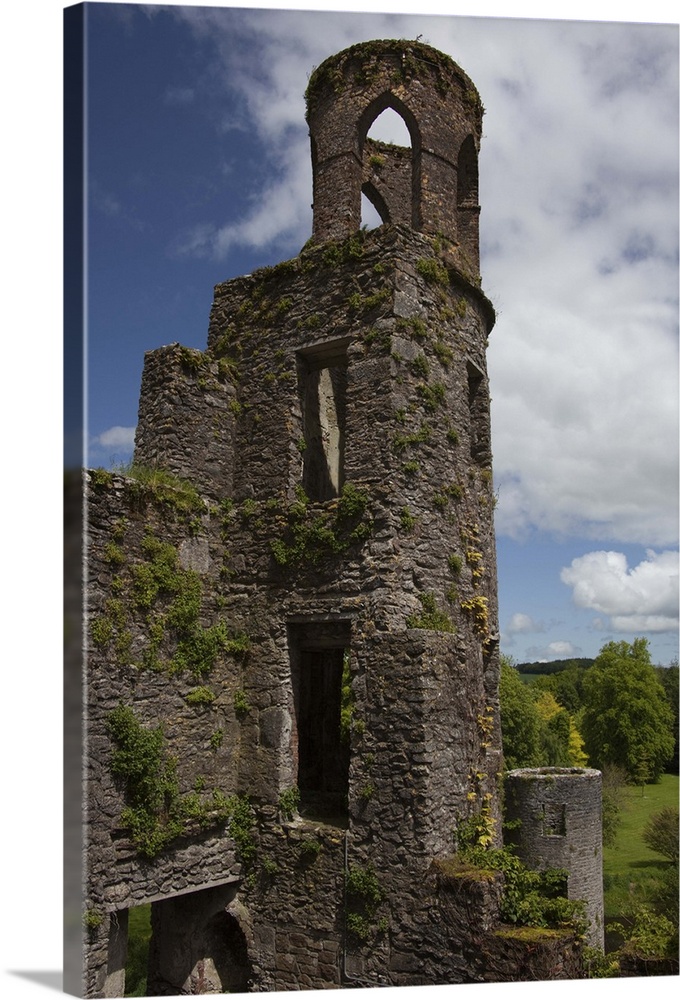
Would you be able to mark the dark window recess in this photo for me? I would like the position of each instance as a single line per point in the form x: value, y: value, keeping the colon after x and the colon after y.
x: 322, y: 376
x: 478, y: 403
x: 467, y: 174
x: 320, y: 659
x: 554, y: 820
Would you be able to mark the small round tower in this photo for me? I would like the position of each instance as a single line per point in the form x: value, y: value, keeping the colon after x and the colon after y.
x: 557, y: 814
x: 431, y: 187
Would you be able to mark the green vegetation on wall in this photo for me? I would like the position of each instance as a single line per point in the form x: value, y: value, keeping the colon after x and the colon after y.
x: 363, y: 894
x: 431, y: 617
x: 313, y: 533
x: 164, y: 601
x: 155, y: 812
x: 530, y: 898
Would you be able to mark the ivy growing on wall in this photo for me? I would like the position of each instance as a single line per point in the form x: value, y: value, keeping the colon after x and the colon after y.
x: 364, y: 894
x: 156, y: 813
x: 168, y: 600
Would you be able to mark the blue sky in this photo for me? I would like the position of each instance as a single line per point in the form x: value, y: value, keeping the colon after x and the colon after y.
x: 198, y: 171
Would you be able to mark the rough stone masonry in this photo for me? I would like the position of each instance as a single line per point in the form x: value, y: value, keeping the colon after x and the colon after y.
x: 293, y: 643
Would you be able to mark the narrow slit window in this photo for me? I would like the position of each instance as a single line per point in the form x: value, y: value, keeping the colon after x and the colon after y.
x: 322, y: 376
x: 478, y: 404
x: 468, y: 181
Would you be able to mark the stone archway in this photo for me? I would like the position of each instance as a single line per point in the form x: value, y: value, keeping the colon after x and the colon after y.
x: 198, y: 945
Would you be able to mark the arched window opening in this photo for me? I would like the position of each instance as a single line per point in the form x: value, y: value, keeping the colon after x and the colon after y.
x: 389, y: 144
x: 373, y: 213
x: 390, y: 127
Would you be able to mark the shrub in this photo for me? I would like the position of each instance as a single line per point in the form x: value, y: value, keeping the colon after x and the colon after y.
x: 216, y: 739
x: 309, y: 849
x: 432, y: 271
x: 650, y: 935
x: 661, y: 833
x: 364, y: 896
x: 200, y: 696
x: 530, y: 899
x: 289, y: 802
x: 150, y: 781
x: 241, y: 704
x: 407, y: 520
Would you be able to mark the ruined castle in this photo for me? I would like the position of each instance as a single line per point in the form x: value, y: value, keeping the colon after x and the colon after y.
x: 292, y: 689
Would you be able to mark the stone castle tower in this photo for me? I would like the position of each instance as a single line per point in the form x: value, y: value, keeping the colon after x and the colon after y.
x: 293, y: 680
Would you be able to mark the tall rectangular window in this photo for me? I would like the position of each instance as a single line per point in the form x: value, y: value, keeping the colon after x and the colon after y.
x: 319, y: 654
x: 478, y: 404
x: 322, y: 380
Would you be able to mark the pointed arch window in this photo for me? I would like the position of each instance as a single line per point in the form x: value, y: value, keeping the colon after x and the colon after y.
x: 389, y: 126
x: 389, y: 144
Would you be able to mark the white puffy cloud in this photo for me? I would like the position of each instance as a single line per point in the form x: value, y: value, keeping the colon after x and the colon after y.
x: 643, y: 598
x: 581, y: 261
x: 561, y: 648
x: 113, y: 447
x: 116, y: 437
x: 521, y: 623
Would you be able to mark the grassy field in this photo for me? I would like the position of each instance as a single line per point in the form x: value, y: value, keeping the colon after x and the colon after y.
x: 629, y: 862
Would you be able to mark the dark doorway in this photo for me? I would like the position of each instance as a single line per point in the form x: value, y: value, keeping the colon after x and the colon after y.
x: 321, y: 683
x: 198, y: 945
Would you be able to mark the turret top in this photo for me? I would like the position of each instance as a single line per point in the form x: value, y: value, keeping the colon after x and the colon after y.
x: 359, y: 64
x: 430, y: 186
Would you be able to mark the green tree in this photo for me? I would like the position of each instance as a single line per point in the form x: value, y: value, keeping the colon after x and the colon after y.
x: 627, y: 720
x: 668, y: 677
x: 520, y: 722
x: 613, y: 787
x: 661, y: 833
x: 561, y: 741
x: 566, y: 685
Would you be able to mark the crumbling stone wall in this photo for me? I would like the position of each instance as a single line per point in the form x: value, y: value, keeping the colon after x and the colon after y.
x: 200, y: 447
